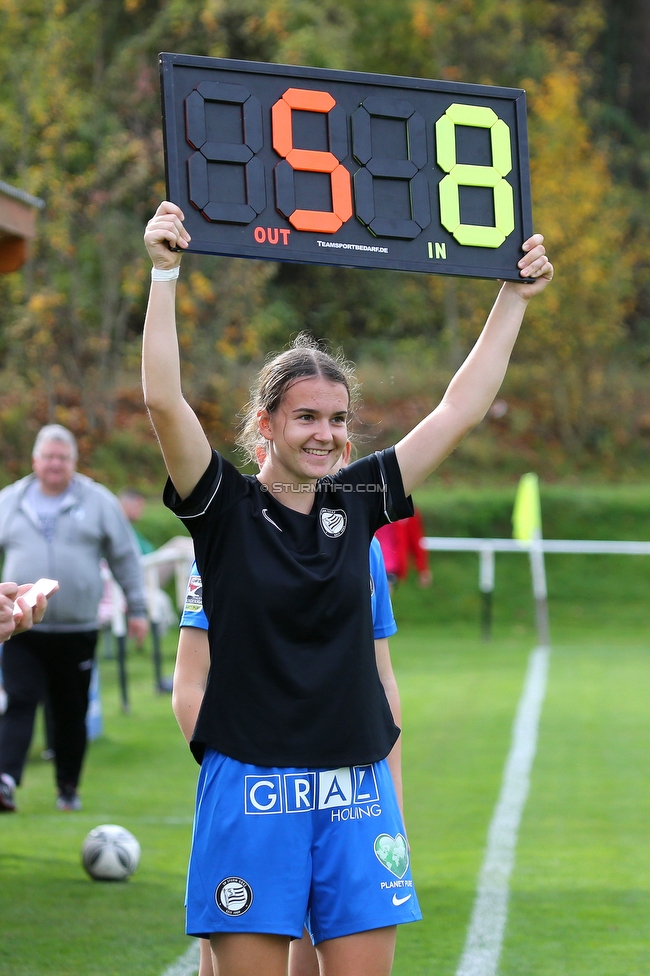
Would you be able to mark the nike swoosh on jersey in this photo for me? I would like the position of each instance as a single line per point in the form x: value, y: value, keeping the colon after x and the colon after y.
x: 400, y: 901
x: 268, y: 518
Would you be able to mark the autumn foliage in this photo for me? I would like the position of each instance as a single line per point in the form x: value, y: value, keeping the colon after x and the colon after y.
x: 80, y: 127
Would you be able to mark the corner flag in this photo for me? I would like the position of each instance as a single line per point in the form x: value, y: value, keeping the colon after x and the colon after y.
x: 527, y: 513
x: 527, y: 528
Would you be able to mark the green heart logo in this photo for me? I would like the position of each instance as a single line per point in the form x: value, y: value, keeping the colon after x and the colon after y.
x: 393, y: 853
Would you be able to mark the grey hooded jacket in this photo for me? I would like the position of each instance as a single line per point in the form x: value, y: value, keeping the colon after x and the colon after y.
x: 89, y: 525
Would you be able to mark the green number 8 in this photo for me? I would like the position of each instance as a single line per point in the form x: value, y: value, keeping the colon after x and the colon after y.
x: 461, y: 174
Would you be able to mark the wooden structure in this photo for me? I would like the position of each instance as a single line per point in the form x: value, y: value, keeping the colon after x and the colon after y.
x: 17, y: 226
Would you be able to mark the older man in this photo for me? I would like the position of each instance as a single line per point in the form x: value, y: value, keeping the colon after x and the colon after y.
x: 59, y: 523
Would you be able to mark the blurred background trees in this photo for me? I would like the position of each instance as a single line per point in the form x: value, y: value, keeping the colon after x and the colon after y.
x: 80, y: 127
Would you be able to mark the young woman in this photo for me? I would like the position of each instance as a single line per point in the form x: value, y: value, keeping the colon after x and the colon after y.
x: 191, y: 671
x: 190, y: 679
x: 296, y: 810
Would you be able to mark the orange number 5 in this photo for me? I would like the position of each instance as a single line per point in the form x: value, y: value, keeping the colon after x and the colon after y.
x: 312, y: 160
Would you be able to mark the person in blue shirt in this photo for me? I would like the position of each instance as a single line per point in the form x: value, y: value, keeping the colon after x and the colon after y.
x: 193, y: 646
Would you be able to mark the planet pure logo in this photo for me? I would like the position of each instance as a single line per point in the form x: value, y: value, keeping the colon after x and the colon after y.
x: 393, y: 853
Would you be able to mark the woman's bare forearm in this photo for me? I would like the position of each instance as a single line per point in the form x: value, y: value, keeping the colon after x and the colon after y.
x: 183, y: 443
x: 161, y: 367
x: 477, y: 382
x: 190, y: 677
x: 387, y: 678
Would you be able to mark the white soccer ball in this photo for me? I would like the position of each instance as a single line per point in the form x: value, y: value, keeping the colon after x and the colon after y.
x: 110, y: 853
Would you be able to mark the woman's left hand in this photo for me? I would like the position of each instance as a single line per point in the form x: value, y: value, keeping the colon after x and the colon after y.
x: 534, y: 266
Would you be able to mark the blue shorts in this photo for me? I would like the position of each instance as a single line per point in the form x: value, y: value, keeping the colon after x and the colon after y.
x: 275, y: 849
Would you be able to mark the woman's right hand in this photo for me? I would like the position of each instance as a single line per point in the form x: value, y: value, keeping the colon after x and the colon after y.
x: 165, y: 230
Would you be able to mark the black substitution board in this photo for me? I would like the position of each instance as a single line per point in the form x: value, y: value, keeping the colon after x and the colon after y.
x: 289, y: 163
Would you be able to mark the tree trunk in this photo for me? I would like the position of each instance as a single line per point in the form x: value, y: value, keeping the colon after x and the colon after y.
x: 627, y: 57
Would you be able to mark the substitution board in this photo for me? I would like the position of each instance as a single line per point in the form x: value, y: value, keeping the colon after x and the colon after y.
x: 339, y: 167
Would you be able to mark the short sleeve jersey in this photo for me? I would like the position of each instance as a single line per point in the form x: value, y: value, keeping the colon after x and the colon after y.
x: 193, y: 613
x: 383, y: 621
x: 293, y: 679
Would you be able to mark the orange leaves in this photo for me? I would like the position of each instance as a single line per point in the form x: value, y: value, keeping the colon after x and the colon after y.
x: 587, y: 227
x: 201, y: 287
x: 43, y: 304
x: 577, y: 326
x: 422, y: 20
x: 43, y: 309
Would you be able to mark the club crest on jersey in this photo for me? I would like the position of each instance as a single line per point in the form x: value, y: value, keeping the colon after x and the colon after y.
x: 333, y: 522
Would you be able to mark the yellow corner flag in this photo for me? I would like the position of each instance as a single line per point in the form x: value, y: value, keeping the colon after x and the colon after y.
x: 527, y: 513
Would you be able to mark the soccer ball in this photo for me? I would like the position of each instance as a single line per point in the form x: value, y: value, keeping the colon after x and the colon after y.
x: 110, y: 853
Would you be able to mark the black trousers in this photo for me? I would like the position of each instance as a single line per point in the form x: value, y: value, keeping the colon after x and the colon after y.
x: 35, y: 664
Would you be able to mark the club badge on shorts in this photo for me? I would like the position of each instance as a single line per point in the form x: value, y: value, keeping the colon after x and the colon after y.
x: 233, y: 896
x: 333, y: 522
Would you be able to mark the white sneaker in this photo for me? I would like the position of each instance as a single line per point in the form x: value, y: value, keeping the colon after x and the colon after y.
x: 7, y: 787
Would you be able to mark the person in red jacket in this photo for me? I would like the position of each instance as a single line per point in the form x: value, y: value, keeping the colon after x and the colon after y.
x: 400, y: 543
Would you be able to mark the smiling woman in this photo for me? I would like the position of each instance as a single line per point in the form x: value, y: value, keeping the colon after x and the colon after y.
x: 292, y: 715
x: 299, y: 413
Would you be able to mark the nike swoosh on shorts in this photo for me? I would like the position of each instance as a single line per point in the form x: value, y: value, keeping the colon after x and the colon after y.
x: 400, y: 901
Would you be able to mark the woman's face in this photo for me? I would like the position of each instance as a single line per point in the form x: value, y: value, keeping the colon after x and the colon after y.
x: 307, y: 433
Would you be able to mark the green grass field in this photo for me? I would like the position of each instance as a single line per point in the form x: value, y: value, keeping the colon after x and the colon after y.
x: 580, y: 892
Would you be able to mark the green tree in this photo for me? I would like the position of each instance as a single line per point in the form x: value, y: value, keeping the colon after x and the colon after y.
x: 80, y: 127
x: 571, y: 336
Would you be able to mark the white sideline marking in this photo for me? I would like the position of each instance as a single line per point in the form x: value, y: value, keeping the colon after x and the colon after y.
x: 487, y: 924
x: 187, y: 964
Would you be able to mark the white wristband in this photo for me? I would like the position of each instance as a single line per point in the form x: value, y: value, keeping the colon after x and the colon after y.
x: 165, y: 274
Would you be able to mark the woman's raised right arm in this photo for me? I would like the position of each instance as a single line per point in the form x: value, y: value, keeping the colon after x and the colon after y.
x: 182, y: 440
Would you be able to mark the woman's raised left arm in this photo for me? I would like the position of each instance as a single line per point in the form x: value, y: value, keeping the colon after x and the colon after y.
x: 473, y: 388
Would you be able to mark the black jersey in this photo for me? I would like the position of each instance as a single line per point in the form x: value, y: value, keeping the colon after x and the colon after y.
x: 293, y: 679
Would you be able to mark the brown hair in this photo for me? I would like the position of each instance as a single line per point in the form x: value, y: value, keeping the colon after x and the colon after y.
x: 304, y: 358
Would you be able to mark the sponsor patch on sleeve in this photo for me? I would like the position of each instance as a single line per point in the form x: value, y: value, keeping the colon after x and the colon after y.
x: 194, y: 595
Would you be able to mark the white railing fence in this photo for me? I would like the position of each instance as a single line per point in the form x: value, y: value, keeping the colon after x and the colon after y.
x: 173, y: 560
x: 535, y: 549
